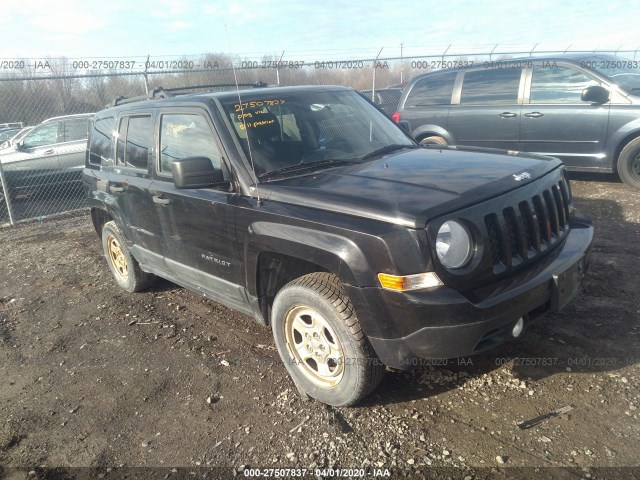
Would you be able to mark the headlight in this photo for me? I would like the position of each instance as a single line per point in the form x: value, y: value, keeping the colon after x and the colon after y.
x: 453, y: 244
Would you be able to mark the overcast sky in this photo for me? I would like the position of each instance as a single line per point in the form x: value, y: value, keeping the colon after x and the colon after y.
x: 308, y: 30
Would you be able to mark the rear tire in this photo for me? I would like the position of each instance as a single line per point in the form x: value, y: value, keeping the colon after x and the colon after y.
x: 321, y: 343
x: 433, y: 140
x: 629, y: 164
x: 123, y: 266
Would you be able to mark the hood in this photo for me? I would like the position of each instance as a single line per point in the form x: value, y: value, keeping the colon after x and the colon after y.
x: 411, y: 187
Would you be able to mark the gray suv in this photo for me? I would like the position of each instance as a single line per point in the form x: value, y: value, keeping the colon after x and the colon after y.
x: 583, y: 109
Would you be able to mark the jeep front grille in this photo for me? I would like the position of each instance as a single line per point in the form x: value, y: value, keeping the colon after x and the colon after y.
x: 525, y: 230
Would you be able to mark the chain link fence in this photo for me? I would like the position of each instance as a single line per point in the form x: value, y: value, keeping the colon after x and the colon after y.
x: 41, y: 167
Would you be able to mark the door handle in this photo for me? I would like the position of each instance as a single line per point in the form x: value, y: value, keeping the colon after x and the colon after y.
x: 507, y: 114
x: 48, y: 152
x: 116, y: 189
x: 161, y: 200
x: 534, y: 115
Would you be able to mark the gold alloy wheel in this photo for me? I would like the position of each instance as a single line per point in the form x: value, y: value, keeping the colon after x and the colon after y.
x: 314, y: 346
x: 117, y: 258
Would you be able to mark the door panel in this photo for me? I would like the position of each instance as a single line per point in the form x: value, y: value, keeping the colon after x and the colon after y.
x: 72, y: 148
x: 200, y: 244
x: 488, y: 113
x: 35, y: 164
x: 557, y: 122
x: 33, y: 167
x: 484, y: 126
x: 130, y: 187
x: 131, y: 194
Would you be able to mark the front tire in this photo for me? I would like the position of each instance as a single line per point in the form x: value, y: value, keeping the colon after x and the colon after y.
x: 629, y: 164
x: 321, y: 343
x: 124, y: 268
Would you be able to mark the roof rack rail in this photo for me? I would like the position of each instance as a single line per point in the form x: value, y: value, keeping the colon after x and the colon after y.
x: 161, y: 92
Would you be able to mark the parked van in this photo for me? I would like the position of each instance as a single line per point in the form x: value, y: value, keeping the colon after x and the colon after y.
x: 581, y: 108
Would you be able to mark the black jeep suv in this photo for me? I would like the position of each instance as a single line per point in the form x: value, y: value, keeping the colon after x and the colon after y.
x: 310, y: 210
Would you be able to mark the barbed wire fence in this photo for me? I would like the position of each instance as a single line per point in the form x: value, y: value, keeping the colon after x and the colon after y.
x: 40, y: 172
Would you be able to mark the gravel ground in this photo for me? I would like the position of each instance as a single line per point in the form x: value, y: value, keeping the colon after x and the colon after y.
x: 91, y: 376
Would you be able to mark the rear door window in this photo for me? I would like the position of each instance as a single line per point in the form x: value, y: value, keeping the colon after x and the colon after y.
x: 491, y: 86
x: 134, y: 141
x: 75, y: 129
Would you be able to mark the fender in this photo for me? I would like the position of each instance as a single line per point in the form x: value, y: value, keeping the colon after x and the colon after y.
x: 430, y: 129
x: 333, y: 252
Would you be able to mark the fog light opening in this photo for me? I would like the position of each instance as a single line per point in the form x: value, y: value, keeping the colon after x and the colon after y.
x: 518, y: 327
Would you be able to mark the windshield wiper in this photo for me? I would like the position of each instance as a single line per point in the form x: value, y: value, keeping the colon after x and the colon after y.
x: 386, y: 149
x: 304, y: 166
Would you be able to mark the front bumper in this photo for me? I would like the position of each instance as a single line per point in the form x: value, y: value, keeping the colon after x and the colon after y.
x: 404, y: 328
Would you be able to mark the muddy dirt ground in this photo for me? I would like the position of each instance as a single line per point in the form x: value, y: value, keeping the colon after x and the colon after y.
x: 91, y: 376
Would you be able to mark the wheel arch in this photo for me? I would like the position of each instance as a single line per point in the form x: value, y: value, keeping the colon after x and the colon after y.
x: 424, y: 131
x: 277, y: 254
x: 99, y: 217
x: 620, y: 146
x: 274, y: 271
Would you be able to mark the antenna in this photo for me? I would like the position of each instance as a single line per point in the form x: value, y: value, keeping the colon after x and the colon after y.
x: 146, y: 77
x: 235, y: 78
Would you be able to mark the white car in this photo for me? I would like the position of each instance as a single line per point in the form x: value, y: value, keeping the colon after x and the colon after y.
x: 14, y: 138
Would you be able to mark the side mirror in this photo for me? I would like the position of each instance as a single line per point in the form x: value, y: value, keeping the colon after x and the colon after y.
x: 595, y: 94
x: 195, y: 172
x: 20, y: 145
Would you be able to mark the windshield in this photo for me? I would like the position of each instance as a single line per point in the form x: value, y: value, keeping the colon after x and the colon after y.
x: 624, y: 72
x: 321, y: 129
